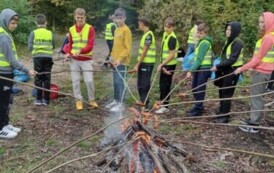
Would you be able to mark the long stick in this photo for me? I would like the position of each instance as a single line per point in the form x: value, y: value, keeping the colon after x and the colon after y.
x: 207, y: 100
x: 227, y: 149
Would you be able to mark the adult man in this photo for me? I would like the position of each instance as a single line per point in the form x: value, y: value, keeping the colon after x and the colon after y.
x: 79, y: 50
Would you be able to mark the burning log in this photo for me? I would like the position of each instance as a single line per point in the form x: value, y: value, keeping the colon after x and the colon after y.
x: 148, y: 152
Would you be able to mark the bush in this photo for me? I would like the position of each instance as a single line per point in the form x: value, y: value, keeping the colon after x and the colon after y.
x: 26, y: 24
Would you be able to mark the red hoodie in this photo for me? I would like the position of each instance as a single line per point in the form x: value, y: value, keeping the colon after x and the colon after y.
x: 267, y: 44
x: 89, y: 46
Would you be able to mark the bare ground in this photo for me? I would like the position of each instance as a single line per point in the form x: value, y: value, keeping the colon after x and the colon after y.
x: 47, y: 130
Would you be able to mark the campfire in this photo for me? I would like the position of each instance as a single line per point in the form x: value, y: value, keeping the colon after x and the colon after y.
x: 143, y: 150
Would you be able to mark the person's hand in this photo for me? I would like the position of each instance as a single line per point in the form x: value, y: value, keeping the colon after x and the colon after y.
x: 136, y: 67
x: 238, y: 70
x: 214, y: 68
x: 188, y: 74
x: 159, y: 68
x: 32, y: 72
x: 66, y: 59
x: 117, y: 63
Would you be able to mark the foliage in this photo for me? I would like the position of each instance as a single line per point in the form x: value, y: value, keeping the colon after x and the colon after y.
x: 25, y: 23
x: 216, y: 12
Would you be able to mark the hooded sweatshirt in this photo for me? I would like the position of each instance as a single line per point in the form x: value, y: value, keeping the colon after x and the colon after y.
x: 236, y: 47
x: 6, y: 41
x: 267, y: 44
x: 201, y: 53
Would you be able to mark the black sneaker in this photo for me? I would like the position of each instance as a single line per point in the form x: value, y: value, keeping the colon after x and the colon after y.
x: 38, y: 102
x: 221, y: 120
x: 249, y: 129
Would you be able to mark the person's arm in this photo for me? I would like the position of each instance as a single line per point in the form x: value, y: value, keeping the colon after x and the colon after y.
x: 90, y: 44
x: 267, y: 44
x: 113, y: 28
x: 203, y: 48
x: 5, y: 45
x: 31, y: 41
x: 148, y: 42
x: 127, y: 44
x: 236, y: 49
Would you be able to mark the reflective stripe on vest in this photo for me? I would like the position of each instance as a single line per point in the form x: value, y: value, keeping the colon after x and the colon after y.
x: 165, y: 49
x: 3, y: 60
x: 108, y: 33
x: 80, y: 40
x: 151, y: 52
x: 207, y: 61
x: 240, y: 60
x: 42, y: 42
x: 191, y: 36
x: 269, y: 57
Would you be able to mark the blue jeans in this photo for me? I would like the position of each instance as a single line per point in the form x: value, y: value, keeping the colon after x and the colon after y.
x: 190, y: 49
x: 119, y: 75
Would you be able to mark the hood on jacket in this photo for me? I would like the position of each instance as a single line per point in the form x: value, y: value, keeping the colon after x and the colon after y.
x: 208, y: 38
x: 269, y: 22
x: 235, y: 30
x: 5, y: 17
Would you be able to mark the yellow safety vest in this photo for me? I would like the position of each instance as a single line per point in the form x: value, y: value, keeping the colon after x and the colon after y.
x: 269, y: 57
x: 240, y: 60
x: 3, y: 60
x: 207, y: 61
x: 42, y: 42
x: 165, y: 49
x: 151, y: 53
x: 108, y: 33
x: 80, y: 40
x: 191, y: 36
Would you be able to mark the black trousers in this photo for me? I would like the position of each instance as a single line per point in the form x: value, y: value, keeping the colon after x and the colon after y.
x: 110, y: 46
x: 143, y: 80
x: 231, y: 80
x: 5, y: 97
x: 43, y: 64
x: 166, y: 82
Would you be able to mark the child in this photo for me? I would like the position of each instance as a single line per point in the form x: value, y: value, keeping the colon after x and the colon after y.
x: 80, y: 52
x: 121, y: 58
x: 262, y: 63
x: 203, y: 62
x: 109, y: 36
x: 231, y: 59
x: 8, y: 62
x: 146, y: 60
x: 41, y: 44
x: 170, y: 46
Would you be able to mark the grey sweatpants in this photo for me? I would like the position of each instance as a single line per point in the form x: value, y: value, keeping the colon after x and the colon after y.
x: 257, y: 103
x: 76, y: 68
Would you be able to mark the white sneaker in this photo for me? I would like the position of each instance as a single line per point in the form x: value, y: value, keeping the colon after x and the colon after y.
x: 12, y: 128
x: 7, y: 134
x: 161, y: 110
x: 118, y: 107
x: 112, y: 104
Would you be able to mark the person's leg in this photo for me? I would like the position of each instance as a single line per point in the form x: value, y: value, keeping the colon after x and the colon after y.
x: 202, y: 78
x: 87, y: 68
x: 119, y: 85
x: 270, y: 84
x: 38, y: 79
x: 5, y: 95
x: 47, y: 78
x: 257, y: 103
x: 143, y: 82
x: 165, y: 83
x: 76, y: 79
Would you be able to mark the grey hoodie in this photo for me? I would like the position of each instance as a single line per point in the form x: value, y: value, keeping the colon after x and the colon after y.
x: 6, y: 44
